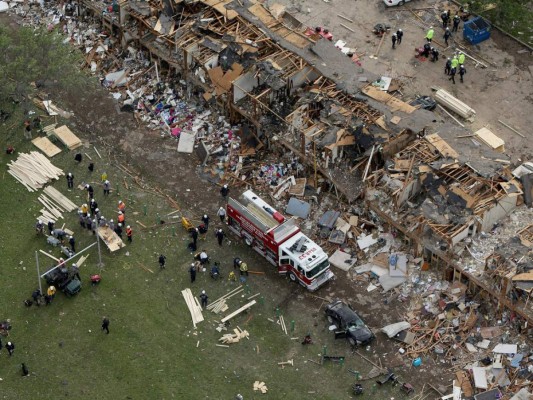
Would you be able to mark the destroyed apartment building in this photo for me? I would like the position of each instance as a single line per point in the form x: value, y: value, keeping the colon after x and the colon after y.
x: 284, y: 86
x: 267, y: 72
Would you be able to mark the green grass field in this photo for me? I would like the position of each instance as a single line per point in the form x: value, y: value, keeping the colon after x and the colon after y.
x: 152, y: 351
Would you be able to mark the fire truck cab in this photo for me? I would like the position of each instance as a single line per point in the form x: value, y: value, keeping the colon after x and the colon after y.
x: 279, y: 240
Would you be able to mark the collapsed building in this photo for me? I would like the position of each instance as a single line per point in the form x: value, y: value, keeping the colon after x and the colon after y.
x: 283, y: 86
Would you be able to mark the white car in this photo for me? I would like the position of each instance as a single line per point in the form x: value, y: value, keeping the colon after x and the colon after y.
x: 390, y: 3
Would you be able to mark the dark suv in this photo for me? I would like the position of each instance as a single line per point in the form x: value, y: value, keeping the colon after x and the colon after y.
x: 349, y: 324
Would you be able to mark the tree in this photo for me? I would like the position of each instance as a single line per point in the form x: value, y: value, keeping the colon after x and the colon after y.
x: 33, y: 57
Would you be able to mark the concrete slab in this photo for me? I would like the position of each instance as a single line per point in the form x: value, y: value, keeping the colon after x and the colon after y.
x: 186, y: 143
x: 342, y: 260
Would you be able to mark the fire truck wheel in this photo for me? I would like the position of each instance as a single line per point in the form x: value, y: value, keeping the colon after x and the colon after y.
x: 248, y: 241
x: 352, y: 342
x: 292, y: 277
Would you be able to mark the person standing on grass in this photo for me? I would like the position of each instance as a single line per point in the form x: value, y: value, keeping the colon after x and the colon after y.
x: 222, y: 214
x: 129, y: 233
x: 121, y: 218
x: 192, y: 272
x: 72, y: 243
x: 105, y: 325
x: 70, y: 180
x: 220, y: 236
x: 89, y: 222
x: 10, y: 347
x: 121, y: 207
x: 27, y: 129
x: 118, y: 230
x: 90, y: 191
x: 243, y: 267
x: 93, y: 205
x: 205, y: 220
x: 203, y: 299
x: 107, y: 187
x: 39, y: 227
x: 162, y: 261
x: 194, y: 236
x: 50, y: 226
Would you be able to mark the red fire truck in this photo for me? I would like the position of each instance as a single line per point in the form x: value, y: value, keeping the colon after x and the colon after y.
x: 279, y: 240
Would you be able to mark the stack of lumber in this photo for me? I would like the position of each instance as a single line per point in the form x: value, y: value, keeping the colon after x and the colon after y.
x: 60, y: 199
x: 234, y: 337
x: 69, y: 139
x: 46, y: 146
x: 447, y: 100
x: 219, y: 305
x: 194, y: 306
x: 49, y: 129
x: 33, y: 170
x: 260, y: 386
x: 55, y: 204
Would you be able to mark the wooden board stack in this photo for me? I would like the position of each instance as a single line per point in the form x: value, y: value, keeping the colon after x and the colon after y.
x: 33, y: 170
x: 234, y: 337
x: 260, y: 386
x: 219, y: 305
x: 69, y: 139
x: 55, y: 204
x: 46, y: 146
x: 194, y: 306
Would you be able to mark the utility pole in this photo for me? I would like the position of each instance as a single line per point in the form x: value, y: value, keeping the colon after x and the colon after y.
x: 100, y: 263
x: 38, y: 273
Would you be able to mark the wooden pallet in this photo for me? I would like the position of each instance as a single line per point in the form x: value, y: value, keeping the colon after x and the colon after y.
x: 69, y: 139
x: 46, y: 146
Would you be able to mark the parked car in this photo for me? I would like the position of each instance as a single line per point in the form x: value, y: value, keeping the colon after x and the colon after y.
x: 390, y: 3
x: 350, y: 325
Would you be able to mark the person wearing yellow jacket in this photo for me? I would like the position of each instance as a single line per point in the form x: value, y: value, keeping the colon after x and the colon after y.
x: 429, y: 34
x: 461, y: 58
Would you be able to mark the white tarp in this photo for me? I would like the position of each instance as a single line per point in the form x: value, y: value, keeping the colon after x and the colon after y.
x: 3, y: 6
x: 393, y: 329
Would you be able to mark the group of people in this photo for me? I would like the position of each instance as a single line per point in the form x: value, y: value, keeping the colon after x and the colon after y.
x: 455, y: 64
x: 90, y: 218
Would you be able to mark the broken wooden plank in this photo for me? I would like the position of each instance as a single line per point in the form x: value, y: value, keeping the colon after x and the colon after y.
x: 236, y: 312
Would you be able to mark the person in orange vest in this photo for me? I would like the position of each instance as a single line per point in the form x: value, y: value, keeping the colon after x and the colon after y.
x: 121, y: 206
x: 121, y: 218
x: 129, y: 233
